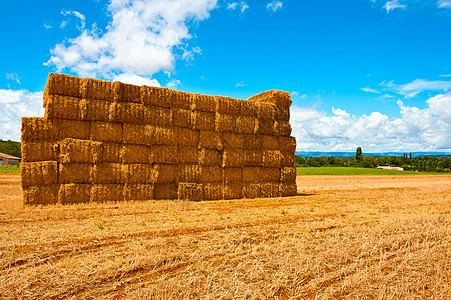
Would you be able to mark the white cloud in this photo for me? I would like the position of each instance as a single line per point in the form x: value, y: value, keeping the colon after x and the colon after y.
x: 417, y: 86
x: 294, y: 93
x: 393, y: 4
x: 47, y: 26
x: 445, y: 75
x: 141, y: 38
x: 444, y: 3
x: 240, y: 84
x: 370, y: 90
x: 235, y: 5
x: 76, y: 14
x: 274, y: 6
x: 173, y: 84
x: 136, y: 79
x: 14, y: 77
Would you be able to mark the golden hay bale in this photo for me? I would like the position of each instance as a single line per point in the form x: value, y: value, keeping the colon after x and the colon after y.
x: 288, y: 174
x: 232, y: 140
x: 96, y: 110
x: 185, y: 137
x: 37, y: 129
x: 253, y: 158
x: 226, y: 105
x: 38, y: 151
x: 124, y: 92
x: 258, y: 174
x: 156, y: 135
x: 282, y: 128
x: 163, y: 154
x: 182, y: 118
x: 111, y: 152
x: 233, y: 190
x: 232, y: 175
x: 138, y: 173
x: 249, y: 108
x: 272, y: 158
x: 39, y: 173
x: 134, y: 134
x: 167, y: 191
x: 264, y: 126
x: 253, y: 142
x: 210, y: 140
x: 187, y: 155
x: 287, y: 159
x: 261, y: 190
x: 138, y: 192
x: 65, y: 85
x: 79, y: 151
x: 135, y: 154
x: 287, y: 144
x: 278, y: 98
x: 251, y: 190
x: 283, y: 114
x: 225, y: 123
x: 74, y: 193
x: 154, y: 115
x: 71, y: 129
x: 190, y: 191
x: 106, y: 193
x: 189, y: 173
x: 245, y: 124
x: 96, y: 89
x: 74, y: 173
x: 213, y: 191
x: 165, y: 173
x: 106, y: 132
x: 233, y: 157
x: 203, y: 103
x: 106, y: 173
x: 64, y: 107
x: 266, y: 111
x: 288, y: 189
x: 210, y: 157
x: 203, y: 120
x: 182, y: 100
x: 155, y: 96
x: 210, y: 174
x: 35, y: 195
x: 125, y: 112
x: 270, y: 142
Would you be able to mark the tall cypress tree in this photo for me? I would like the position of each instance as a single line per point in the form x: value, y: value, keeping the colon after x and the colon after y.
x: 358, y: 154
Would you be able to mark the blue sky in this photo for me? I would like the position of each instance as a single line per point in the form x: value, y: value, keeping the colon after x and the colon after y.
x: 369, y: 73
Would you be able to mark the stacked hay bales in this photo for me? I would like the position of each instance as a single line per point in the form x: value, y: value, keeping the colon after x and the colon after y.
x: 103, y: 141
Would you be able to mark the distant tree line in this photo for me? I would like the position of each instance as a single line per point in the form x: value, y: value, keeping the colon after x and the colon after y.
x: 10, y: 147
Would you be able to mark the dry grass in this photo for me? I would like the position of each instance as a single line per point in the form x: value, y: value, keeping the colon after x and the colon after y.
x: 342, y: 237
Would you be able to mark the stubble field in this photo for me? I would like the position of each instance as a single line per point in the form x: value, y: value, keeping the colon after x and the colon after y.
x: 358, y: 237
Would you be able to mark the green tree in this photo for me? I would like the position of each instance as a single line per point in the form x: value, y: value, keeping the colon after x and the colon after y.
x: 358, y: 154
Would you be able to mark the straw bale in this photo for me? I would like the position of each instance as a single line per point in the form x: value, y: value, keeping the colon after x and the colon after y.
x: 272, y: 158
x: 96, y: 110
x: 213, y: 191
x: 79, y: 151
x: 282, y: 128
x: 106, y: 132
x: 165, y: 173
x: 258, y: 174
x: 124, y: 92
x: 39, y: 173
x: 270, y: 142
x: 96, y: 89
x: 35, y: 195
x: 164, y: 154
x: 287, y: 144
x: 264, y: 126
x: 190, y: 191
x: 64, y: 107
x: 226, y: 105
x: 154, y: 96
x: 270, y: 175
x: 167, y: 191
x: 203, y: 103
x: 253, y: 158
x: 111, y: 152
x: 182, y: 100
x: 187, y: 155
x: 233, y: 157
x: 288, y: 189
x: 251, y: 190
x: 233, y: 190
x: 125, y: 112
x: 65, y: 85
x: 138, y: 192
x: 269, y: 189
x: 232, y: 140
x: 71, y: 129
x: 203, y: 120
x: 278, y: 98
x: 155, y: 115
x: 283, y: 114
x: 138, y: 173
x: 106, y: 193
x: 232, y: 175
x: 210, y: 140
x: 135, y: 154
x: 37, y: 129
x: 253, y: 142
x: 185, y: 137
x: 38, y: 151
x: 245, y: 124
x: 210, y: 157
x: 225, y: 123
x: 210, y: 174
x: 182, y: 117
x: 134, y: 134
x: 249, y: 108
x: 156, y: 135
x: 74, y: 173
x: 287, y: 159
x: 266, y: 111
x: 288, y: 174
x: 189, y: 173
x: 106, y: 173
x: 74, y: 193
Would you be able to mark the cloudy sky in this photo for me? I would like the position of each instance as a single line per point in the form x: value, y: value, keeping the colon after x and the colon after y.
x: 369, y: 73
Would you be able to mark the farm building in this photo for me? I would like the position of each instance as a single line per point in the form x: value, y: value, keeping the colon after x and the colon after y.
x: 9, y: 160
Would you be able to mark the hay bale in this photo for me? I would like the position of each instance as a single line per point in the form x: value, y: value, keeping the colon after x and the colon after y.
x: 71, y: 129
x: 185, y: 137
x: 182, y: 118
x: 278, y: 98
x: 138, y: 173
x: 233, y: 157
x: 156, y: 135
x: 210, y: 140
x: 190, y: 191
x: 74, y: 193
x: 288, y: 174
x: 210, y: 157
x: 111, y: 152
x: 264, y: 126
x: 249, y: 108
x: 189, y: 173
x: 288, y: 189
x: 136, y: 154
x: 203, y: 103
x: 230, y: 175
x: 266, y: 111
x: 125, y: 112
x: 233, y: 190
x: 232, y: 140
x: 96, y: 89
x: 225, y: 123
x: 106, y: 193
x: 187, y: 155
x: 79, y: 151
x: 39, y: 173
x: 106, y: 132
x: 287, y: 144
x: 253, y: 158
x: 282, y: 128
x: 35, y: 195
x: 44, y: 150
x: 165, y: 173
x: 245, y: 124
x: 272, y: 158
x: 287, y: 159
x: 155, y: 115
x: 167, y: 191
x: 162, y: 154
x: 210, y: 174
x: 270, y: 142
x: 138, y: 192
x: 251, y: 190
x: 124, y: 92
x: 96, y: 110
x: 213, y: 191
x: 106, y: 173
x: 258, y: 174
x: 74, y: 173
x: 154, y: 96
x: 253, y: 142
x: 283, y: 114
x: 64, y: 107
x: 182, y: 100
x: 64, y: 85
x: 203, y: 121
x: 226, y: 105
x: 37, y: 129
x: 261, y: 190
x: 134, y: 134
x: 270, y: 174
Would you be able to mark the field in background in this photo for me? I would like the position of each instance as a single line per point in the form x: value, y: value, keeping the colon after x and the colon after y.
x: 12, y: 170
x: 356, y: 171
x: 357, y: 237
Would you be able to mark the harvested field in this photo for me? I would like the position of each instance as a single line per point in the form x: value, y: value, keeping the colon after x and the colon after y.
x: 358, y: 237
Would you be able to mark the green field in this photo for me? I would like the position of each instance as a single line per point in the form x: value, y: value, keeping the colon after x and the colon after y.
x: 355, y: 171
x: 11, y: 170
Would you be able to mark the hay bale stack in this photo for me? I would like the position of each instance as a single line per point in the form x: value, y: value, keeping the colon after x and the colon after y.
x: 39, y: 173
x: 138, y: 192
x: 79, y: 151
x: 190, y: 191
x: 74, y: 193
x: 106, y: 173
x: 106, y: 193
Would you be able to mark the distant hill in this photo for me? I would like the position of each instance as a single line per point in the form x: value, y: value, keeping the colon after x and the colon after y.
x: 349, y: 154
x: 10, y: 147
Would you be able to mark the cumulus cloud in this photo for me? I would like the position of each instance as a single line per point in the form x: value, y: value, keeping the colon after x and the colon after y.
x: 417, y: 86
x: 141, y: 38
x: 393, y: 4
x: 136, y: 79
x: 242, y: 6
x: 274, y: 6
x: 444, y: 3
x: 417, y: 129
